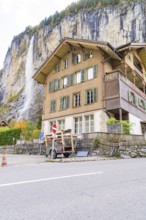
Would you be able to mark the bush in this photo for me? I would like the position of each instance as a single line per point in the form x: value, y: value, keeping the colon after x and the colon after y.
x: 10, y: 136
x: 36, y: 134
x: 96, y: 142
x: 125, y: 125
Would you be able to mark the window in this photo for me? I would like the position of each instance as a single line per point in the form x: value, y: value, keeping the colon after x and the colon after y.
x: 78, y: 125
x: 67, y: 80
x: 91, y: 96
x: 64, y: 103
x: 64, y: 81
x: 57, y: 68
x: 53, y: 106
x: 89, y: 123
x: 61, y: 124
x: 76, y: 101
x: 76, y: 58
x: 92, y: 72
x: 51, y: 125
x: 65, y: 63
x: 54, y: 85
x: 141, y: 103
x: 87, y: 55
x: 78, y: 77
x: 131, y: 97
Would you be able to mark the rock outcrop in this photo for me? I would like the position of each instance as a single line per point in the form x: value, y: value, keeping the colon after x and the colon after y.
x: 117, y: 25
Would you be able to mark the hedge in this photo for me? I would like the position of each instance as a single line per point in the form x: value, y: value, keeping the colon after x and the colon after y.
x: 9, y: 137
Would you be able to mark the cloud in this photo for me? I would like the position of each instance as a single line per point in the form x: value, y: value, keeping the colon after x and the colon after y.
x: 16, y: 15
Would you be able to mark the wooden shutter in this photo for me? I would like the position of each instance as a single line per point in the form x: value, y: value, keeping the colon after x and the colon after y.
x: 95, y: 94
x: 73, y: 58
x: 129, y: 96
x: 61, y: 103
x: 58, y: 83
x: 67, y: 102
x: 95, y: 71
x: 86, y: 97
x: 84, y: 56
x: 82, y: 75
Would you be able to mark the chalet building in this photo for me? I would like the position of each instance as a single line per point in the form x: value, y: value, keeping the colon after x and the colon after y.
x: 86, y: 82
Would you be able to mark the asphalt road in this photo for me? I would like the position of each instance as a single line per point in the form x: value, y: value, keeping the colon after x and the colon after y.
x: 98, y: 190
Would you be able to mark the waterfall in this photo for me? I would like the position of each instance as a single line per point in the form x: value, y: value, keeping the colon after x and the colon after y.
x: 28, y: 92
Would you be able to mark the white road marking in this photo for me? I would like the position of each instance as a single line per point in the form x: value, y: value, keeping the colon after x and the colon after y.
x: 47, y: 179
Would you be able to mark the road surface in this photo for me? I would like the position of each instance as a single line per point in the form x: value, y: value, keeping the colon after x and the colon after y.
x: 95, y: 190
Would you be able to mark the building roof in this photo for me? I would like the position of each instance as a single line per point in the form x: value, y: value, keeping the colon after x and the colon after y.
x: 140, y: 47
x: 66, y: 45
x: 4, y: 124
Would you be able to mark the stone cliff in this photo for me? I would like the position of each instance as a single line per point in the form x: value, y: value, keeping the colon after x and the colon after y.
x: 117, y: 25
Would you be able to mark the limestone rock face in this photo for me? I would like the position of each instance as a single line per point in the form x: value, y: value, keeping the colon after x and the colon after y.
x: 117, y: 25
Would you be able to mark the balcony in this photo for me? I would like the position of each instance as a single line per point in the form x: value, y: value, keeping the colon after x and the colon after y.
x: 118, y: 92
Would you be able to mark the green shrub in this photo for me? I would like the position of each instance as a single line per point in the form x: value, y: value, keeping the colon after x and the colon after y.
x: 10, y: 136
x: 126, y: 125
x: 36, y: 134
x: 111, y: 120
x: 96, y: 142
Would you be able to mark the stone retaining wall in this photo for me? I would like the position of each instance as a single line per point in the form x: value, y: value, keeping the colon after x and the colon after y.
x: 121, y: 150
x: 24, y: 149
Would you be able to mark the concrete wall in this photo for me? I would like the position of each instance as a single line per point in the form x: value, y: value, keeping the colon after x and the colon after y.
x: 136, y: 129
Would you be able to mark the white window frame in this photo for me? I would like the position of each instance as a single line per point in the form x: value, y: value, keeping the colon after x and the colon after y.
x: 65, y: 81
x: 76, y: 100
x: 61, y: 124
x: 78, y: 77
x: 65, y: 63
x: 90, y: 73
x: 53, y: 106
x: 78, y: 58
x: 89, y: 123
x: 78, y: 121
x: 51, y: 124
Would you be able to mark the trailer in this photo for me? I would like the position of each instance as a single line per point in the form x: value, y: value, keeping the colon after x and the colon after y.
x: 63, y: 142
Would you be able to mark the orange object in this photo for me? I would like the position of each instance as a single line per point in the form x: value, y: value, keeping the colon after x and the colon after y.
x: 4, y: 161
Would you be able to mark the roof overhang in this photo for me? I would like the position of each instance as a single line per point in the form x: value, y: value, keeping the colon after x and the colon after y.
x: 140, y: 47
x: 64, y: 47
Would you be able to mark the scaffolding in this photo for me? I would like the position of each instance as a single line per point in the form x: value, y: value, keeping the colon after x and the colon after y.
x: 63, y: 143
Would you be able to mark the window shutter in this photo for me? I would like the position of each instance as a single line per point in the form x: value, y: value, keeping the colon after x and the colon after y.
x: 58, y: 83
x: 95, y: 71
x: 61, y: 83
x: 95, y: 94
x: 82, y: 75
x: 129, y: 96
x: 67, y: 102
x: 72, y: 79
x: 61, y: 103
x: 73, y: 58
x: 68, y: 80
x: 85, y: 97
x: 84, y: 56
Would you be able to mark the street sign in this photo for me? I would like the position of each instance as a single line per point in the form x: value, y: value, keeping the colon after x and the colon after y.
x: 42, y: 135
x: 54, y: 128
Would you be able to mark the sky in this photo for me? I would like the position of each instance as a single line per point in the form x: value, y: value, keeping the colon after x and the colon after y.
x: 16, y: 15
